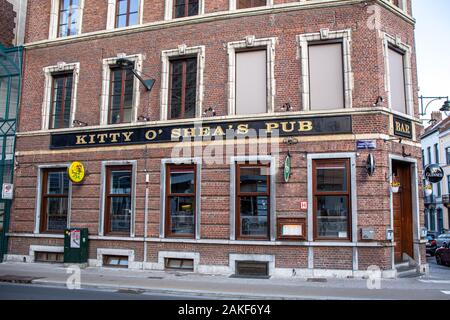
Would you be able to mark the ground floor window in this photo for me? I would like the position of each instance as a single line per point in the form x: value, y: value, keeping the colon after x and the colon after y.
x: 253, y: 201
x: 180, y: 200
x: 55, y: 200
x: 118, y: 200
x: 331, y: 192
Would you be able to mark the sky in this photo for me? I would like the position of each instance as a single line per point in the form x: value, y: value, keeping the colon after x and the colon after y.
x: 433, y: 48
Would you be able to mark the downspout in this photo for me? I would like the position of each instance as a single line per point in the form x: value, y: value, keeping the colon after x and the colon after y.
x: 147, y: 181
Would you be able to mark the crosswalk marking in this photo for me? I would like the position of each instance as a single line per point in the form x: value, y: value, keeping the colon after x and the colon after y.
x: 446, y: 292
x: 435, y: 281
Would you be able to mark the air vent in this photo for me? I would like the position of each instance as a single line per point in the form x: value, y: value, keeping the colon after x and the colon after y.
x: 115, y: 261
x: 49, y: 257
x: 179, y: 264
x: 252, y: 269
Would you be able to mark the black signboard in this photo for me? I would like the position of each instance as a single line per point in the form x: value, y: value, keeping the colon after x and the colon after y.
x: 403, y: 128
x: 434, y: 173
x: 204, y: 131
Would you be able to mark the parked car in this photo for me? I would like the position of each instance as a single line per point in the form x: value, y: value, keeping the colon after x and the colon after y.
x: 431, y: 244
x: 443, y: 239
x: 443, y: 255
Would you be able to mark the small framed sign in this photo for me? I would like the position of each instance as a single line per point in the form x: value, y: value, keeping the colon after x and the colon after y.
x: 8, y: 191
x: 291, y: 228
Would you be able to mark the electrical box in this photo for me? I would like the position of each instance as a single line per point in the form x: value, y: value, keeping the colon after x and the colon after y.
x: 76, y: 245
x: 367, y: 234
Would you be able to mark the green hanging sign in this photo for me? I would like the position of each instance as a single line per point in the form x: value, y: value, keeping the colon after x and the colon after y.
x: 287, y: 168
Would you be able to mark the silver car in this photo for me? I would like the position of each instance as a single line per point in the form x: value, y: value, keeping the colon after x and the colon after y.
x: 443, y: 239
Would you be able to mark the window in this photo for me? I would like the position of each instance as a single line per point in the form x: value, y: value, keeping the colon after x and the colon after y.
x: 118, y: 200
x: 2, y: 216
x: 430, y: 161
x: 251, y: 82
x: 397, y: 80
x: 9, y: 96
x: 120, y: 95
x: 68, y: 18
x: 115, y: 261
x: 185, y: 8
x: 55, y: 200
x: 127, y: 13
x: 447, y: 155
x: 326, y: 75
x: 180, y: 201
x: 60, y: 110
x: 183, y: 88
x: 331, y: 192
x: 242, y: 4
x: 253, y: 201
x: 180, y: 264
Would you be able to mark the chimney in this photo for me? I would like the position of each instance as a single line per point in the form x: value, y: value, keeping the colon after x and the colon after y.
x: 436, y: 117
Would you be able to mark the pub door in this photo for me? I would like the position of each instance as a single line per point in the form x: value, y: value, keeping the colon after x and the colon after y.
x: 402, y: 207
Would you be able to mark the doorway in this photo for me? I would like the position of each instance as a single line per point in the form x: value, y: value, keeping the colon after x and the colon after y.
x: 402, y: 211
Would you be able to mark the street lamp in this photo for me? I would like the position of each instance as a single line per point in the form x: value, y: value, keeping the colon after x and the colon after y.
x: 445, y: 107
x: 128, y: 64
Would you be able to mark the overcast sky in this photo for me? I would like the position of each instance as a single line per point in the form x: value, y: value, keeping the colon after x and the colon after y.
x: 433, y: 48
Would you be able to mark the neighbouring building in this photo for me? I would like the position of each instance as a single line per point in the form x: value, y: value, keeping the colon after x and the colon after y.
x: 12, y: 25
x: 431, y: 154
x: 222, y: 136
x: 444, y: 142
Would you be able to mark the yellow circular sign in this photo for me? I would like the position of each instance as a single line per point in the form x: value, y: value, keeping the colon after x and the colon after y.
x: 76, y: 172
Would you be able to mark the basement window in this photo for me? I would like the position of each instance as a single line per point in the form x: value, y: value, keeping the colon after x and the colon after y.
x: 256, y: 269
x: 179, y: 264
x: 49, y: 257
x: 115, y: 261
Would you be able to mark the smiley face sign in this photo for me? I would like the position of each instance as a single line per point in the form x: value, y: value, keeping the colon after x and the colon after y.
x: 76, y: 172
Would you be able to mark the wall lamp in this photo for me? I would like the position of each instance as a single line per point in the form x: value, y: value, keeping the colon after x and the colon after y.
x: 128, y: 64
x: 79, y: 123
x: 143, y: 118
x: 287, y: 106
x: 210, y: 109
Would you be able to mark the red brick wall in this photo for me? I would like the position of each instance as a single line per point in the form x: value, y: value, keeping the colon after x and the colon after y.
x: 7, y: 24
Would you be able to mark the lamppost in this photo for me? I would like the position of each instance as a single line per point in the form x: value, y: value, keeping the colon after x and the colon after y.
x: 445, y: 106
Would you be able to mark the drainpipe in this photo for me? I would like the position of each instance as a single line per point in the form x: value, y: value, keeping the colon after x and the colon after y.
x: 147, y: 181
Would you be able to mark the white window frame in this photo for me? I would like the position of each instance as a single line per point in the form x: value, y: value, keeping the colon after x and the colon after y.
x: 37, y: 214
x: 104, y: 107
x: 251, y: 42
x: 303, y: 41
x: 163, y: 187
x: 182, y: 51
x: 168, y: 10
x: 47, y: 103
x: 111, y: 15
x: 388, y: 41
x: 54, y: 19
x: 108, y: 164
x: 233, y: 189
x: 233, y: 5
x: 403, y: 5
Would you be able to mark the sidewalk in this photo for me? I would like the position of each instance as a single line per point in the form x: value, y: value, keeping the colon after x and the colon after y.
x: 218, y: 287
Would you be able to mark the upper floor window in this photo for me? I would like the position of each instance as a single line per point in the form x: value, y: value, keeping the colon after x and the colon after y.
x: 242, y: 4
x: 61, y: 100
x: 436, y: 153
x: 127, y: 13
x: 120, y: 95
x: 447, y: 156
x: 185, y: 8
x: 397, y: 79
x: 183, y: 88
x: 68, y: 18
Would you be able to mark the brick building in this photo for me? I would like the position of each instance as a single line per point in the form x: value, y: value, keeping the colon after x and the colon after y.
x: 252, y: 136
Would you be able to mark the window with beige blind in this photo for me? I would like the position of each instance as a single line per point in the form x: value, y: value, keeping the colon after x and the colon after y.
x: 251, y: 82
x: 397, y: 80
x: 326, y: 76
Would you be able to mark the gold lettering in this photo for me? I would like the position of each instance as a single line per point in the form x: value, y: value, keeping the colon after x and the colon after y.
x: 284, y: 126
x: 176, y: 134
x: 81, y: 140
x: 150, y: 135
x: 101, y: 137
x: 242, y: 129
x: 270, y: 126
x: 219, y: 131
x: 205, y: 131
x: 190, y: 132
x: 305, y: 126
x: 114, y: 136
x: 127, y: 136
x: 92, y: 139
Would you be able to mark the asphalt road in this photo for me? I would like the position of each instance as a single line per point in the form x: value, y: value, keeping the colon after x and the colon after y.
x: 38, y: 292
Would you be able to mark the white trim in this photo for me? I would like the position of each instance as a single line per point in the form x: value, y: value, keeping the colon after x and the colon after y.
x: 115, y: 252
x: 111, y: 15
x: 233, y: 258
x: 162, y: 255
x: 181, y: 51
x: 54, y: 19
x: 325, y: 34
x: 37, y: 214
x: 273, y: 169
x: 36, y: 248
x: 162, y: 216
x: 251, y: 42
x: 233, y: 6
x: 407, y: 69
x: 104, y: 105
x: 101, y: 218
x: 168, y: 9
x: 47, y: 103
